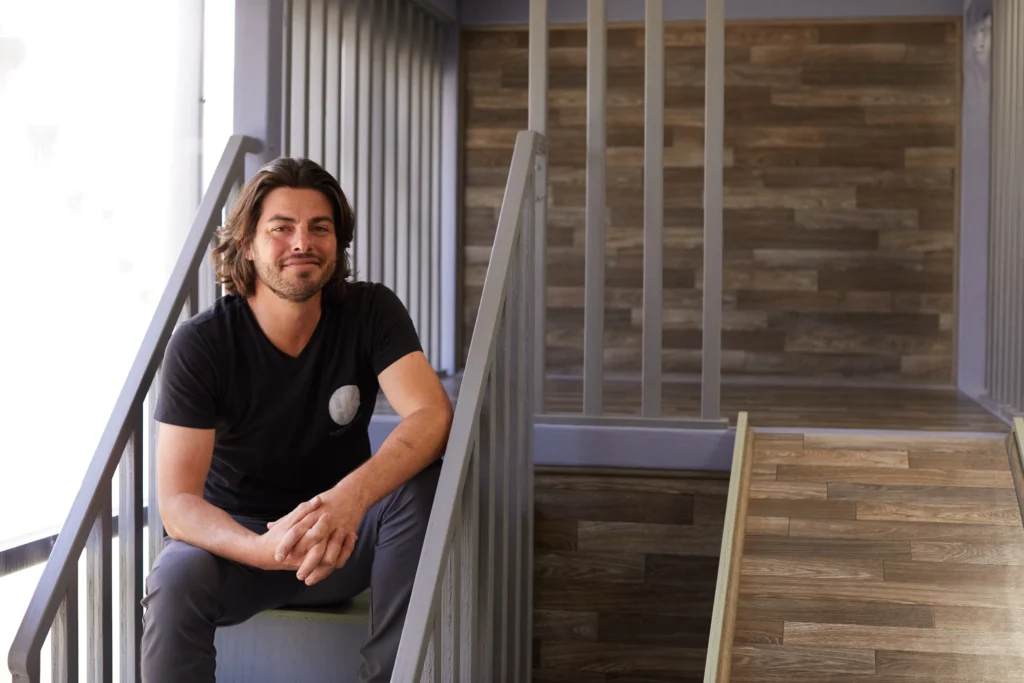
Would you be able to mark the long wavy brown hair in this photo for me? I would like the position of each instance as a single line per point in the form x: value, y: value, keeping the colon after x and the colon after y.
x: 236, y: 272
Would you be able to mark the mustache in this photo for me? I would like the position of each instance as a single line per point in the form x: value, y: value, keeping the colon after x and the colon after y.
x: 303, y: 257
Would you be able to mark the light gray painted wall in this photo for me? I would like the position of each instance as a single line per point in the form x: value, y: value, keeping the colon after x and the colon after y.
x: 974, y: 198
x: 485, y: 12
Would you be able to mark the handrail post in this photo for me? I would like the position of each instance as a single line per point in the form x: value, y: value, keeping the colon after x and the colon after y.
x: 714, y: 132
x: 493, y: 363
x: 538, y: 121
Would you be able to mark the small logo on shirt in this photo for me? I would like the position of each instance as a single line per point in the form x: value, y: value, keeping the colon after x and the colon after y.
x: 344, y: 405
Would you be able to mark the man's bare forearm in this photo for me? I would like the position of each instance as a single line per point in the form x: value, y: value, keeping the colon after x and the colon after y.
x: 418, y: 440
x: 189, y: 518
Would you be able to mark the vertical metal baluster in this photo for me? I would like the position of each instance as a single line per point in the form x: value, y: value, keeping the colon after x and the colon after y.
x: 538, y: 121
x: 286, y: 76
x: 714, y: 127
x: 64, y: 635
x: 471, y: 590
x: 100, y: 597
x: 129, y: 531
x: 594, y: 264
x: 316, y: 88
x: 349, y: 156
x: 999, y: 251
x: 437, y: 640
x: 426, y: 183
x: 654, y: 134
x: 332, y: 90
x: 391, y: 142
x: 154, y: 523
x: 450, y: 645
x: 493, y: 427
x: 435, y: 221
x: 1014, y: 181
x: 459, y: 574
x: 404, y: 165
x: 508, y: 456
x: 529, y: 410
x: 298, y: 135
x: 362, y: 102
x: 415, y: 167
x: 193, y: 294
x: 376, y: 165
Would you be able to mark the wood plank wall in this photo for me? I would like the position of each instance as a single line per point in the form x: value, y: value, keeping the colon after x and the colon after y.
x: 841, y: 201
x: 625, y: 567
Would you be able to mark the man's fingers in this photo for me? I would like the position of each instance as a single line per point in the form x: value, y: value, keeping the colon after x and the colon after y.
x: 298, y: 531
x: 311, y: 561
x: 319, y: 532
x: 334, y: 544
x: 321, y: 572
x: 346, y: 549
x: 331, y: 554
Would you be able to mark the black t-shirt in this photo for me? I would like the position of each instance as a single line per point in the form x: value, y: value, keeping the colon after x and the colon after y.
x: 286, y: 428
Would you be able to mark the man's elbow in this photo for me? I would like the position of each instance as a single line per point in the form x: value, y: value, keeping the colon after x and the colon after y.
x: 170, y: 516
x: 441, y: 415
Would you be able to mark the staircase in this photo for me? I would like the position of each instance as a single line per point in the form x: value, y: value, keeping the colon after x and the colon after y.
x: 471, y: 612
x: 591, y: 540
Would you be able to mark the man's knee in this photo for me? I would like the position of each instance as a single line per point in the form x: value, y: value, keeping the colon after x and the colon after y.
x: 183, y: 583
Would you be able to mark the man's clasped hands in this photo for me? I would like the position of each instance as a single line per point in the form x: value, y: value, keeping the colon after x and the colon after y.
x: 315, y: 538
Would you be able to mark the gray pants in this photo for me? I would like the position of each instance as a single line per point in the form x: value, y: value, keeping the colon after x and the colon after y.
x: 190, y: 592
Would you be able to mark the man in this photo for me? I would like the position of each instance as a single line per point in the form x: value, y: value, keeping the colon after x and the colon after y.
x: 267, y: 487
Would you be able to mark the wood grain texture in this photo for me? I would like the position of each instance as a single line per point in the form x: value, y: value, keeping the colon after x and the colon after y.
x: 974, y: 463
x: 840, y: 219
x: 621, y: 595
x: 924, y: 583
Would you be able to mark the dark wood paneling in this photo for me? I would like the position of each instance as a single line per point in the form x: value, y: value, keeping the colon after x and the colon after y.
x: 841, y: 157
x: 631, y: 601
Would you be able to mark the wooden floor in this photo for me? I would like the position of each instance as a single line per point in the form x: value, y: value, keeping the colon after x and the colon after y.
x: 625, y: 570
x: 788, y: 406
x: 871, y: 561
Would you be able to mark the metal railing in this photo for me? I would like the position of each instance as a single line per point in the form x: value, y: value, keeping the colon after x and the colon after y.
x: 361, y: 96
x: 1005, y: 319
x: 470, y: 613
x: 53, y: 608
x: 596, y: 221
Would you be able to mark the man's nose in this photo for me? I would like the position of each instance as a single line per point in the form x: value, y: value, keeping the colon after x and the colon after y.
x: 300, y: 242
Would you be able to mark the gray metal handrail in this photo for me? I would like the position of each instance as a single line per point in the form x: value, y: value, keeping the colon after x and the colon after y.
x: 472, y: 597
x: 54, y: 604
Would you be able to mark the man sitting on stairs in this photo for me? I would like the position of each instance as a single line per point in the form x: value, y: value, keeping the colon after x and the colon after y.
x: 267, y: 487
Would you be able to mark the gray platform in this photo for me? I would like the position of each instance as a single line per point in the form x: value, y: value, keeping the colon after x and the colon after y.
x: 304, y: 644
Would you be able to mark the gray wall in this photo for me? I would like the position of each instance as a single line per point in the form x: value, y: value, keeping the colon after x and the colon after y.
x: 974, y: 198
x: 446, y: 10
x: 482, y: 12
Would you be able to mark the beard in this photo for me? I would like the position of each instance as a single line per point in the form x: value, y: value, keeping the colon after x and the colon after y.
x: 297, y: 286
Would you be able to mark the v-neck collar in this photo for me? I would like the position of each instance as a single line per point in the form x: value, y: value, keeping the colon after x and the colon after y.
x: 317, y: 332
